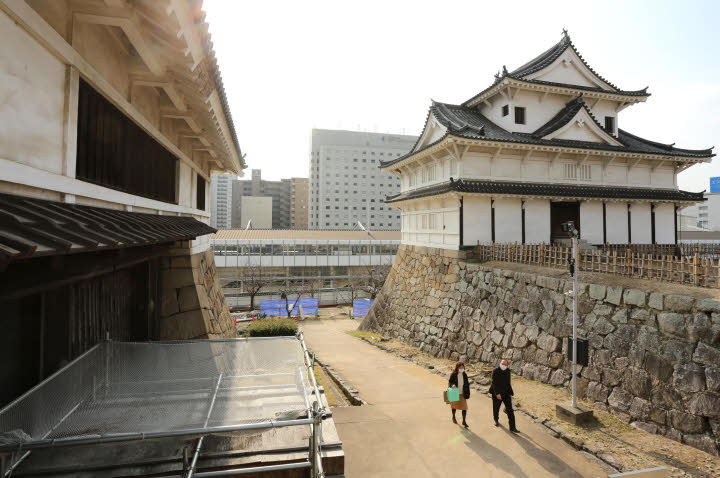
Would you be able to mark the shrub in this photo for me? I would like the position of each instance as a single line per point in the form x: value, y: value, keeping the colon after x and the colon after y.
x: 272, y: 327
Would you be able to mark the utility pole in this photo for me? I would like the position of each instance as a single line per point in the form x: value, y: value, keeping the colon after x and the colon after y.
x: 575, y: 312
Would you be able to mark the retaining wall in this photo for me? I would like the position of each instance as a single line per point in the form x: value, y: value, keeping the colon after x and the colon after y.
x: 654, y: 359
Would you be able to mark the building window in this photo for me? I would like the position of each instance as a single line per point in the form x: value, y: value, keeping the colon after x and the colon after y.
x: 114, y: 152
x: 574, y: 171
x: 505, y: 110
x: 610, y: 124
x: 200, y: 200
x: 519, y: 115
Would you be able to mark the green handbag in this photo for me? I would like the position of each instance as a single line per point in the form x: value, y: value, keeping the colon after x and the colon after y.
x: 453, y: 394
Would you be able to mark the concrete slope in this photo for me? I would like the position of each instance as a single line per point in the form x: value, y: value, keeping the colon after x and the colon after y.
x: 406, y: 430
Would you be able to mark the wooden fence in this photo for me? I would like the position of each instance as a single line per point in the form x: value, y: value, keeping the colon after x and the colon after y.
x: 691, y: 270
x: 687, y: 249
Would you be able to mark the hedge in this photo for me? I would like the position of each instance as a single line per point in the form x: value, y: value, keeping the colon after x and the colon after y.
x: 272, y: 327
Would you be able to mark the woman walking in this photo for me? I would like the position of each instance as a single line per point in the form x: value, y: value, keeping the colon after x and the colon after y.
x: 459, y: 379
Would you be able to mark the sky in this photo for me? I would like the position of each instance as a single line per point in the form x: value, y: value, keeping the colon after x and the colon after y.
x: 290, y: 66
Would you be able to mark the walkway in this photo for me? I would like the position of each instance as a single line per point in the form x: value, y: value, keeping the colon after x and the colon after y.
x: 405, y: 430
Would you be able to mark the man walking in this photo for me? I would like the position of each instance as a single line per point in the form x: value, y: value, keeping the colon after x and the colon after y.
x: 501, y: 391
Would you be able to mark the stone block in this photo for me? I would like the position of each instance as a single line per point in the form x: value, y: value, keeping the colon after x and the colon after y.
x: 634, y: 297
x: 679, y: 303
x: 702, y: 442
x: 185, y: 325
x: 597, y: 292
x: 707, y: 355
x: 188, y: 298
x: 705, y: 404
x: 672, y: 323
x: 602, y: 326
x: 602, y: 309
x: 646, y: 427
x: 712, y: 379
x: 176, y: 279
x: 548, y: 343
x: 614, y: 294
x: 496, y: 336
x: 707, y: 305
x: 597, y: 392
x: 619, y: 399
x: 689, y: 377
x: 181, y: 262
x: 640, y: 409
x: 677, y: 350
x: 620, y: 317
x: 637, y: 382
x: 169, y: 303
x: 557, y: 377
x: 656, y: 301
x: 686, y: 422
x: 658, y: 367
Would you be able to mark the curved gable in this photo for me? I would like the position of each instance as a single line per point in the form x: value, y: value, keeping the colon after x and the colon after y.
x: 583, y: 127
x: 570, y: 69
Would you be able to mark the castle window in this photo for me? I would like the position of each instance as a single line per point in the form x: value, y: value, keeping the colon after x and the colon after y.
x: 610, y: 124
x: 519, y: 115
x: 505, y: 110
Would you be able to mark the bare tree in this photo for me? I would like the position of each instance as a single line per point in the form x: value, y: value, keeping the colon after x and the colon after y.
x: 375, y: 279
x: 287, y: 292
x: 253, y: 279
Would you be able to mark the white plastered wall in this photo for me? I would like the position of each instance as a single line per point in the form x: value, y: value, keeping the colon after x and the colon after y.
x: 640, y: 223
x: 616, y: 218
x: 537, y: 221
x: 508, y: 220
x: 665, y: 223
x: 591, y: 222
x: 476, y: 220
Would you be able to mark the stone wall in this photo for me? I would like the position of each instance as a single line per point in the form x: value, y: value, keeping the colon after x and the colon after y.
x: 654, y: 359
x: 192, y: 302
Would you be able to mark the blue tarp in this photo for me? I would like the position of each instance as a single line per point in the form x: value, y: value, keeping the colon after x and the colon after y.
x: 361, y: 307
x: 278, y: 308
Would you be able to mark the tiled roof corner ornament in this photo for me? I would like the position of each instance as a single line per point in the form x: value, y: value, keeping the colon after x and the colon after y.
x: 497, y: 77
x: 566, y: 37
x: 505, y: 72
x: 481, y: 131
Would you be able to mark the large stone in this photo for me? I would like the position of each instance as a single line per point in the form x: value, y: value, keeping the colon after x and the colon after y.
x: 672, y: 323
x: 648, y: 338
x: 656, y: 301
x: 707, y: 305
x: 614, y: 294
x: 637, y: 382
x: 679, y: 303
x: 634, y: 297
x: 702, y: 442
x: 707, y: 355
x: 602, y: 326
x: 686, y: 422
x: 677, y: 350
x: 557, y: 377
x: 705, y: 404
x: 597, y: 392
x: 619, y: 399
x: 597, y: 292
x: 689, y: 377
x: 640, y: 409
x: 620, y: 317
x: 548, y: 342
x: 496, y: 337
x: 712, y: 377
x: 658, y: 367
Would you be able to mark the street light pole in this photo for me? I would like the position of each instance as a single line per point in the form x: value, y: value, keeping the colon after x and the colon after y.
x: 575, y: 314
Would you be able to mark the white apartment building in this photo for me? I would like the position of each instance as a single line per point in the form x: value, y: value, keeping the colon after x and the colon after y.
x: 346, y: 185
x: 221, y: 200
x: 540, y: 146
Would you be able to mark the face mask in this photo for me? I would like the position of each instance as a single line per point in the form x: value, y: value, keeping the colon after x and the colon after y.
x: 503, y: 366
x: 462, y: 370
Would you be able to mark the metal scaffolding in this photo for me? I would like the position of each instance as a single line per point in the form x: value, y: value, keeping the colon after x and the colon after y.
x: 122, y: 392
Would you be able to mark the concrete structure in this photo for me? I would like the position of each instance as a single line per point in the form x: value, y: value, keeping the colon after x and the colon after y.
x: 345, y: 185
x: 538, y: 147
x: 221, y: 200
x: 256, y: 211
x: 653, y: 358
x: 282, y: 192
x: 299, y: 195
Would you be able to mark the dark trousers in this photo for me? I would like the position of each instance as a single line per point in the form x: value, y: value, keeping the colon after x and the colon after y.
x: 507, y: 400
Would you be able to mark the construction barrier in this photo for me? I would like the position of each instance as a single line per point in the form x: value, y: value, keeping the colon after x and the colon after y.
x: 361, y: 307
x: 278, y: 308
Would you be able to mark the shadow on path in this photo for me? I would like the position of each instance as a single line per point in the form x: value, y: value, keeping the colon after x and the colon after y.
x: 491, y: 454
x: 545, y: 458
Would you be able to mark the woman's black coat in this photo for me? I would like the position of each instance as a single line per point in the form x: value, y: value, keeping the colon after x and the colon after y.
x: 454, y: 381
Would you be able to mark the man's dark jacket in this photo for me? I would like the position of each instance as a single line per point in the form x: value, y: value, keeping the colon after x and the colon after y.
x: 454, y: 381
x: 501, y: 382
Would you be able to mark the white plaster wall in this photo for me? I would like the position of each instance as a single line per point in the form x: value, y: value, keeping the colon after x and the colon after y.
x: 32, y: 96
x: 508, y: 222
x: 616, y: 217
x: 537, y: 221
x: 640, y: 223
x: 568, y: 68
x: 665, y: 223
x: 476, y: 220
x: 185, y: 185
x: 591, y: 221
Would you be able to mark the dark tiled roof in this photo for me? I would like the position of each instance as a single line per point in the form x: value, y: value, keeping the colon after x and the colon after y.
x: 548, y: 189
x: 469, y: 123
x: 562, y: 118
x: 35, y: 227
x: 544, y: 60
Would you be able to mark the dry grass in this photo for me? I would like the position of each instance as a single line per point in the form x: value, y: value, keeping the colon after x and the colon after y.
x: 334, y: 397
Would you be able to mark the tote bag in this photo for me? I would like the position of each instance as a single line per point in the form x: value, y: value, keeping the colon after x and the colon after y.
x: 453, y: 394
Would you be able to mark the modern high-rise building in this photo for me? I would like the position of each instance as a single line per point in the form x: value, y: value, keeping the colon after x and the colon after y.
x: 284, y: 193
x: 221, y: 200
x: 346, y: 185
x: 299, y: 203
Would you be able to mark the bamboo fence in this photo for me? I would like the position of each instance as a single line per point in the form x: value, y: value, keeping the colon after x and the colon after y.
x: 695, y: 269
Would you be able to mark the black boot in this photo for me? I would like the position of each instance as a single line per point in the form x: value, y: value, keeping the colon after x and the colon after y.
x: 453, y: 414
x: 464, y: 413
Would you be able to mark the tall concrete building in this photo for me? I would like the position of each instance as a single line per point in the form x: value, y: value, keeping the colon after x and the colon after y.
x: 256, y: 211
x: 345, y: 183
x: 284, y: 193
x: 299, y: 203
x: 221, y: 200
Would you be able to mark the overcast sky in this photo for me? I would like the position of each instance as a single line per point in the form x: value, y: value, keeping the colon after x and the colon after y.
x: 292, y: 66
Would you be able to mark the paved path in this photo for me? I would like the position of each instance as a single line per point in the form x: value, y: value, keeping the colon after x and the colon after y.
x: 405, y: 430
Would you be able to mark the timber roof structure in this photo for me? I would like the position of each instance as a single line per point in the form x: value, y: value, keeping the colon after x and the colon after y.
x: 469, y: 123
x: 547, y: 190
x: 544, y: 60
x: 34, y: 227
